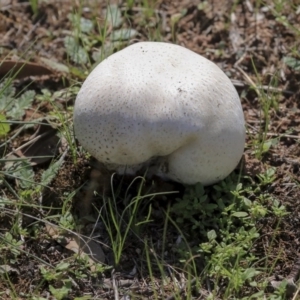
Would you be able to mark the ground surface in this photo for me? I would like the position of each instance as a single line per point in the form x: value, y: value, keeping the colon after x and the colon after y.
x: 257, y: 47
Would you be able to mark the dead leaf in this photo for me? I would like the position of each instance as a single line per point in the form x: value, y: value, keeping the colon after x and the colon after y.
x: 83, y: 246
x: 93, y: 249
x: 22, y: 69
x: 44, y: 147
x: 4, y: 3
x: 234, y: 33
x: 8, y: 269
x: 54, y: 65
x: 291, y: 287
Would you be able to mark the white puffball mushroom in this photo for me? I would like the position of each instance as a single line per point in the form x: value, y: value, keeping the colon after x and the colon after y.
x: 165, y: 107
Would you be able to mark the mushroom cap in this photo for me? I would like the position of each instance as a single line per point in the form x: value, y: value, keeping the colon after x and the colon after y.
x: 161, y: 105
